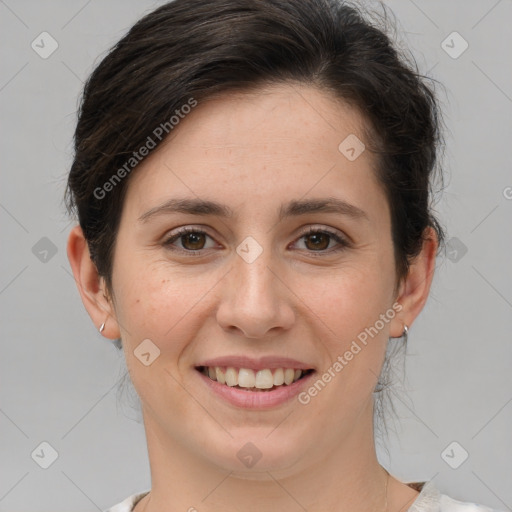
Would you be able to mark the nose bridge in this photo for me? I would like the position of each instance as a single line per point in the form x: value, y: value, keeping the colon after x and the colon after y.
x: 255, y: 283
x: 255, y: 301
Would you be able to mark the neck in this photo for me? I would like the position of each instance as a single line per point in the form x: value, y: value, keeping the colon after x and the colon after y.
x: 347, y: 478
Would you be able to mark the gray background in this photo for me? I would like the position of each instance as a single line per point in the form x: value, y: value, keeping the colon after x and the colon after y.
x: 60, y: 378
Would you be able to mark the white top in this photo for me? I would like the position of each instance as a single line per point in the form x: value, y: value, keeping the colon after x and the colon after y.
x: 428, y: 500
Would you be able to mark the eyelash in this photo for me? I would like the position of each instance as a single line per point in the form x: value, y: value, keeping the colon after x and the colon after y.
x: 343, y: 243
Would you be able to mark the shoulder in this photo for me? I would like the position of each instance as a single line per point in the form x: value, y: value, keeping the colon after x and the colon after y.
x: 430, y: 499
x: 127, y: 504
x: 447, y: 504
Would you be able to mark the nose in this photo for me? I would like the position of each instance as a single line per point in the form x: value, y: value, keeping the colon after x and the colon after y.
x: 255, y: 299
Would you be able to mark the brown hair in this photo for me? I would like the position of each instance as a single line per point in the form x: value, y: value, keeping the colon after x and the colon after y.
x: 194, y: 49
x: 189, y: 50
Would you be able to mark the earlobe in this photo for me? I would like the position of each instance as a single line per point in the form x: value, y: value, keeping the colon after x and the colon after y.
x: 415, y: 288
x: 90, y: 285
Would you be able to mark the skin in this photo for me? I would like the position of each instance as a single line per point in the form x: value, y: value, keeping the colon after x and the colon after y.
x: 253, y: 152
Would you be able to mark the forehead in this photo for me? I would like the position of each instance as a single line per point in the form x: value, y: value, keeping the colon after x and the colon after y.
x: 270, y: 116
x: 273, y: 143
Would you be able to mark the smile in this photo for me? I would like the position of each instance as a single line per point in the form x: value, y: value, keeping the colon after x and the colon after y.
x: 253, y: 380
x: 258, y: 388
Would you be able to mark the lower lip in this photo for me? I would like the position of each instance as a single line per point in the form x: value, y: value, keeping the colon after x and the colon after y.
x: 257, y: 399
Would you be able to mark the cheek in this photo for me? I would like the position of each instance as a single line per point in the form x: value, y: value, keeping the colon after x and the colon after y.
x: 350, y: 305
x: 348, y: 301
x: 161, y: 303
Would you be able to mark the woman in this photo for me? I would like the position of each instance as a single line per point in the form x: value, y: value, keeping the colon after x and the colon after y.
x: 251, y: 182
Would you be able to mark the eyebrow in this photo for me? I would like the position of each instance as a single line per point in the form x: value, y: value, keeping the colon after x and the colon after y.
x: 291, y: 209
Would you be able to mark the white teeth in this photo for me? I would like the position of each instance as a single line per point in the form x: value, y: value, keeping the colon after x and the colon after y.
x: 248, y: 378
x: 264, y: 379
x: 289, y: 374
x: 220, y: 377
x: 279, y: 377
x: 231, y: 377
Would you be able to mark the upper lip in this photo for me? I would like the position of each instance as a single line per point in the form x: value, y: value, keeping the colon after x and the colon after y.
x: 260, y: 363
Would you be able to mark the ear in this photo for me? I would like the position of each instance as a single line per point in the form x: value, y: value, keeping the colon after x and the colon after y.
x: 415, y: 288
x: 91, y: 286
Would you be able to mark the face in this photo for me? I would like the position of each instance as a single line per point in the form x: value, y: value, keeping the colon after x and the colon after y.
x: 265, y: 280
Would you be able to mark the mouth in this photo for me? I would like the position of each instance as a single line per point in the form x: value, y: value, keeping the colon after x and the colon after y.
x: 254, y: 381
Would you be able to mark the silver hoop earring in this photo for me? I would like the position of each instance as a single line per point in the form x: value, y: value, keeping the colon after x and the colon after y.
x: 403, y: 335
x: 102, y: 326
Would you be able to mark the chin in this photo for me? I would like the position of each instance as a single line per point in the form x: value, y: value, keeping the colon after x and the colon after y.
x: 252, y: 452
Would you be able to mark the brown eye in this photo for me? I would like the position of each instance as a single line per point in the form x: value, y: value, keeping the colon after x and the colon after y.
x: 319, y: 241
x: 192, y: 240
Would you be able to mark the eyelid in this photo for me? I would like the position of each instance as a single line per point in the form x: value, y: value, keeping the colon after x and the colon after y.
x: 342, y: 240
x: 324, y: 229
x: 169, y: 239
